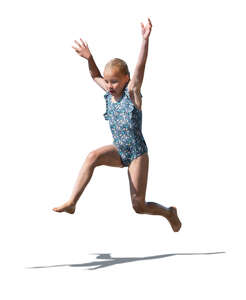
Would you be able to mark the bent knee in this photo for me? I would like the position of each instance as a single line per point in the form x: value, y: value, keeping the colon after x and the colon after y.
x: 92, y: 157
x: 138, y: 206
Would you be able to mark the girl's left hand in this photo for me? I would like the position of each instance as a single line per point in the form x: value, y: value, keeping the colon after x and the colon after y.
x: 146, y: 30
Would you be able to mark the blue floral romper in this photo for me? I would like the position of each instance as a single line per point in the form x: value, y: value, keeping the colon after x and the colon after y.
x: 125, y: 122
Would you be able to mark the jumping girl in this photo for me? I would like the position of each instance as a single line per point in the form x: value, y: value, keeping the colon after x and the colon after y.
x: 123, y: 111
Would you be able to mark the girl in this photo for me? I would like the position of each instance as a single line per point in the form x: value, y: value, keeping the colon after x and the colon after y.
x: 123, y: 111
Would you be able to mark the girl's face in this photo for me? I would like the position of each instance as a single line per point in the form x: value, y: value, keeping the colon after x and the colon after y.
x: 115, y: 81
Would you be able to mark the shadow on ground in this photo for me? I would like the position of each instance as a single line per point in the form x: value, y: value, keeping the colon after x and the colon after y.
x: 104, y: 260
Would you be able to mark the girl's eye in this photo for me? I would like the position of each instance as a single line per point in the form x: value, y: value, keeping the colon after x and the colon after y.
x: 113, y: 81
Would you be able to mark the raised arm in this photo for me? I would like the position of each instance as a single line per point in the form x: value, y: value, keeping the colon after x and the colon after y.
x: 84, y: 51
x: 137, y: 78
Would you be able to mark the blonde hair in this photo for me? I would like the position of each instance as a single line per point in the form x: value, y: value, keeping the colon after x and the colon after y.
x: 118, y: 64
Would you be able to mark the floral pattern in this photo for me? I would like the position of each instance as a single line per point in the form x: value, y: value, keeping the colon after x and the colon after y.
x: 125, y: 122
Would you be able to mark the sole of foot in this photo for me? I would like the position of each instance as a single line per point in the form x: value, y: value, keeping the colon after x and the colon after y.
x: 174, y: 219
x: 65, y: 208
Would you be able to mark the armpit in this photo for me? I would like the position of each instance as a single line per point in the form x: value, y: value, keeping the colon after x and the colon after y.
x: 136, y: 98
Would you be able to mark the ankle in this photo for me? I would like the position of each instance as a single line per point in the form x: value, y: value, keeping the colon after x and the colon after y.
x: 72, y: 202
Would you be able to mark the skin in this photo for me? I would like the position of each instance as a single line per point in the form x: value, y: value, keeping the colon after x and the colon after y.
x: 114, y: 82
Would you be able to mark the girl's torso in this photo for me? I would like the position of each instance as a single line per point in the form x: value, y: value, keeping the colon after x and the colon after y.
x: 122, y: 112
x: 125, y: 122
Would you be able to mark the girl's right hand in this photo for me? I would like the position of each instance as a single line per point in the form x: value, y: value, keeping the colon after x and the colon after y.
x: 82, y: 49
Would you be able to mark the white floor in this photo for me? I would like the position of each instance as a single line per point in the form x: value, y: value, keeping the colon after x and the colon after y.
x: 91, y: 255
x: 176, y: 277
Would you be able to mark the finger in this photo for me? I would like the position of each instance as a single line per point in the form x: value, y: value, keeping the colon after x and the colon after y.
x: 76, y: 49
x: 77, y: 43
x: 83, y: 43
x: 149, y: 22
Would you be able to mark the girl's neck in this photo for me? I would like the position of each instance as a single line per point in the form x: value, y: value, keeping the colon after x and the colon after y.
x: 117, y: 97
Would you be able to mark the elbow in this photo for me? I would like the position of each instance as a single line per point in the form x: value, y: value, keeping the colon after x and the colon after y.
x: 94, y: 76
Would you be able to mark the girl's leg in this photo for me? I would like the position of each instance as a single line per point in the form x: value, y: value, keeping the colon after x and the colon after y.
x: 138, y: 175
x: 106, y: 155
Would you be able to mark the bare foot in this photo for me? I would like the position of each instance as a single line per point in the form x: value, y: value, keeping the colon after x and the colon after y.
x: 66, y: 207
x: 174, y: 219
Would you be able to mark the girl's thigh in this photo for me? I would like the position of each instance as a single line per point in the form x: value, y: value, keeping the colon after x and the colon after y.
x: 108, y: 156
x: 138, y: 176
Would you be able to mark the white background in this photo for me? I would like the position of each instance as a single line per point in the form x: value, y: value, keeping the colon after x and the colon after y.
x: 51, y: 117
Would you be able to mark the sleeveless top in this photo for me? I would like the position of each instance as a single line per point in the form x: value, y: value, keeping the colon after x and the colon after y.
x: 125, y: 122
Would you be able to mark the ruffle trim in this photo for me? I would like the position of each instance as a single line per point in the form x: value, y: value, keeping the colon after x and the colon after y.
x: 129, y: 105
x: 106, y: 113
